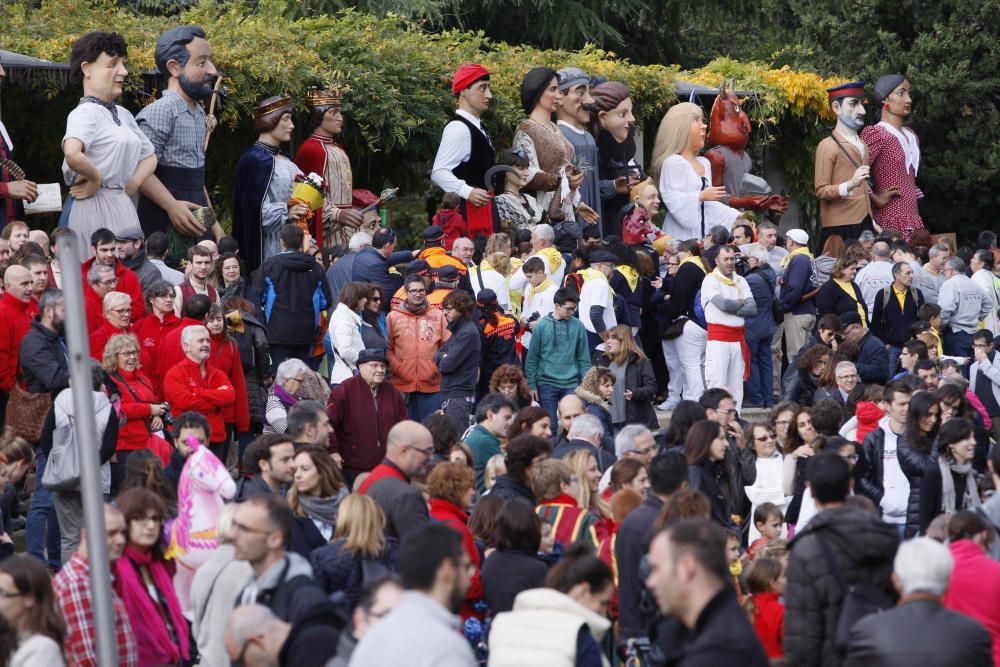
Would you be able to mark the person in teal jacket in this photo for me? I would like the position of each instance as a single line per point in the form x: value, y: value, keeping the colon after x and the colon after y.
x: 493, y: 418
x: 559, y: 355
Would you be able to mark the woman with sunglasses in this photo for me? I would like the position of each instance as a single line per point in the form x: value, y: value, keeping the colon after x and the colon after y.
x: 374, y: 333
x: 762, y: 439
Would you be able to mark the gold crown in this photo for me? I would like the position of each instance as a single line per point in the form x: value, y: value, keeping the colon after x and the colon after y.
x: 270, y: 107
x: 332, y: 96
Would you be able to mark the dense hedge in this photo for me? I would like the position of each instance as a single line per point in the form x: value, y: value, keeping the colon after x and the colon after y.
x: 399, y: 77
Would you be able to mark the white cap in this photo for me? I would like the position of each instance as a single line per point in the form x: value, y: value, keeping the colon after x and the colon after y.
x: 798, y: 235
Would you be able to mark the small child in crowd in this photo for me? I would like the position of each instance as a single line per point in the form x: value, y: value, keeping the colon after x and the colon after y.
x: 767, y: 519
x: 766, y: 582
x: 735, y: 565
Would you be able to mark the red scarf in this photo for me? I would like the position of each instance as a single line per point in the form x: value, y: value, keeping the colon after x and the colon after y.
x: 149, y: 628
x: 384, y: 469
x: 721, y: 332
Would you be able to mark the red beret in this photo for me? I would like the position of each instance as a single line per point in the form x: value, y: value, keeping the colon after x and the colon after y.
x: 466, y: 75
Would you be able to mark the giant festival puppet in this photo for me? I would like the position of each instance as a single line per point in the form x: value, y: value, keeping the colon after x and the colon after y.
x: 728, y: 136
x: 205, y: 486
x: 894, y: 155
x: 842, y: 173
x: 323, y: 154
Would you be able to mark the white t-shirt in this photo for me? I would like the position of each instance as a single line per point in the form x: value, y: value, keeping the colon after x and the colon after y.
x: 114, y: 149
x: 712, y: 286
x: 895, y: 485
x: 597, y: 292
x: 540, y: 302
x: 493, y: 280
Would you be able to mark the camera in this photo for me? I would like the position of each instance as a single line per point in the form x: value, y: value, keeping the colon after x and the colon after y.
x: 167, y: 417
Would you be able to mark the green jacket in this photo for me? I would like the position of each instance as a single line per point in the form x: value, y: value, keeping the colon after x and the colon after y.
x: 484, y: 446
x: 559, y: 354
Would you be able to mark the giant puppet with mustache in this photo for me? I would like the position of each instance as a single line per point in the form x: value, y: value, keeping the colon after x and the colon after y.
x: 176, y: 124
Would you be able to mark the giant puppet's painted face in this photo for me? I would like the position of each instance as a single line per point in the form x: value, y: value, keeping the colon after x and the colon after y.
x: 197, y: 76
x: 730, y: 124
x: 850, y: 111
x: 898, y: 102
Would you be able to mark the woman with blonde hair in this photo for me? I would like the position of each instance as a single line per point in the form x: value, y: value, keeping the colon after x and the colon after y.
x: 117, y: 320
x: 315, y: 496
x: 216, y: 586
x: 359, y: 544
x: 588, y: 473
x: 693, y: 204
x: 635, y: 384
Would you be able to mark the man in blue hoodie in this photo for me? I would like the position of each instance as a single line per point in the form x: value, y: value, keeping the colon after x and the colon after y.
x: 559, y: 355
x: 293, y: 292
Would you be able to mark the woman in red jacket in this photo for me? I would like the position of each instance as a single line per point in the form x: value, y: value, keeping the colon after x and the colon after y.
x: 154, y: 327
x: 226, y: 357
x: 117, y: 320
x: 452, y: 487
x: 142, y: 409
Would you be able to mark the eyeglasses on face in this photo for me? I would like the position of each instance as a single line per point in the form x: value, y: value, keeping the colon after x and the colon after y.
x: 416, y: 291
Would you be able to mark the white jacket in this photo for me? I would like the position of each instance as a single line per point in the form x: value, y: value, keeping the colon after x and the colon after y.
x: 991, y: 370
x: 541, y: 630
x: 345, y: 337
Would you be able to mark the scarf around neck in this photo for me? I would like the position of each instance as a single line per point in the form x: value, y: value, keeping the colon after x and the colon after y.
x: 155, y: 645
x: 802, y: 250
x: 284, y: 396
x: 971, y: 498
x: 110, y: 106
x: 323, y: 509
x: 693, y: 260
x: 722, y: 279
x: 542, y: 286
x: 553, y: 257
x: 630, y: 275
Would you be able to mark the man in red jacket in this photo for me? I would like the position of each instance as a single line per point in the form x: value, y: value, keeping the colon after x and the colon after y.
x: 104, y: 245
x: 14, y: 324
x: 171, y: 351
x: 355, y: 406
x: 193, y: 385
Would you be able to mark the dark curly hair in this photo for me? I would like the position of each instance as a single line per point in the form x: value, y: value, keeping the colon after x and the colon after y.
x: 89, y: 47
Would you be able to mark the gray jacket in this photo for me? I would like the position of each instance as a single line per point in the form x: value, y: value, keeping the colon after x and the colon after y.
x: 963, y: 303
x: 991, y: 370
x: 920, y: 632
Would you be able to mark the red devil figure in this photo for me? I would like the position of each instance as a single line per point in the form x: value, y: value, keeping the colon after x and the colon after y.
x: 728, y: 137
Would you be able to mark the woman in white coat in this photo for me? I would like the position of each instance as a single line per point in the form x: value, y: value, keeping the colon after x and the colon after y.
x: 769, y: 485
x: 345, y: 331
x: 693, y: 204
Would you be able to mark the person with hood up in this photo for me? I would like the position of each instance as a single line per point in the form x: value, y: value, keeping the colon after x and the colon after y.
x: 293, y: 294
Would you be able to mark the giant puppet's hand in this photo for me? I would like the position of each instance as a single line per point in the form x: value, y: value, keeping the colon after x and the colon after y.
x: 776, y: 203
x: 882, y: 199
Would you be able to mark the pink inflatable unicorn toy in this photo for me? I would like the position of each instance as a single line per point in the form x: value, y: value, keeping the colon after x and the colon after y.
x: 204, y: 488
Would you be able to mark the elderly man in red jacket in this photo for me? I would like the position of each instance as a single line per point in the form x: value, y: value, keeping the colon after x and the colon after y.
x: 194, y: 385
x: 362, y: 409
x: 14, y: 324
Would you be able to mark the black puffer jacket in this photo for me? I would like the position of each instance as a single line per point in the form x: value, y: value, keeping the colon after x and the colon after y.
x: 255, y: 357
x: 340, y: 571
x: 914, y: 465
x: 723, y: 483
x: 864, y: 548
x: 640, y: 379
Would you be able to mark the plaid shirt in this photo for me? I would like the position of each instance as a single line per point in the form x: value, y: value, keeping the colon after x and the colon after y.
x: 177, y: 131
x: 72, y: 589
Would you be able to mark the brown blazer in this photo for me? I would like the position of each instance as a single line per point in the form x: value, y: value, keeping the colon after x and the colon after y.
x: 832, y: 169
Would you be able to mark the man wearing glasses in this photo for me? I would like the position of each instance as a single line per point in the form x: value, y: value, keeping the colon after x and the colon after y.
x: 984, y: 376
x: 415, y: 333
x: 846, y: 376
x: 408, y: 452
x: 104, y: 247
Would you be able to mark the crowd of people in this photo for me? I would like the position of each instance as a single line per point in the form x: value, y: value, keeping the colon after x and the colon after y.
x: 525, y: 442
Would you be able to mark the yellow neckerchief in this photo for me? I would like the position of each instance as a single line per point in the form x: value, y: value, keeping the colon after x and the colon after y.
x: 542, y: 286
x: 554, y: 258
x: 801, y: 250
x: 593, y: 274
x: 849, y: 288
x: 693, y: 260
x: 736, y: 568
x: 485, y: 266
x: 937, y: 337
x: 630, y: 275
x: 722, y: 279
x: 235, y: 319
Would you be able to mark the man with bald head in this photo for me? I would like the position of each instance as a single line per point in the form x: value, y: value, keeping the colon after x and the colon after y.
x: 408, y: 451
x: 255, y: 637
x: 15, y: 322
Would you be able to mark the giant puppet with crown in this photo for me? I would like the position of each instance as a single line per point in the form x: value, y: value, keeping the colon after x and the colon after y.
x: 322, y: 154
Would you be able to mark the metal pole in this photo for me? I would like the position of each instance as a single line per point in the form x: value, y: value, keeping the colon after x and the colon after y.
x: 91, y: 492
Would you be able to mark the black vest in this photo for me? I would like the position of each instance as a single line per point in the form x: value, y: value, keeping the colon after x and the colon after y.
x: 481, y: 158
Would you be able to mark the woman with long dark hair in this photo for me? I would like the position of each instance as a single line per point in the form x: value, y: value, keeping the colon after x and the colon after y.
x: 709, y: 472
x: 955, y: 403
x: 951, y: 485
x: 27, y: 604
x: 635, y: 384
x: 514, y: 566
x: 684, y: 416
x: 916, y: 451
x: 315, y: 496
x: 685, y: 338
x: 802, y: 443
x: 532, y: 420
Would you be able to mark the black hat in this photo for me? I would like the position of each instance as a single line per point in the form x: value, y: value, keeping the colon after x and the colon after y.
x: 433, y: 233
x: 486, y: 298
x: 533, y: 85
x: 447, y: 273
x: 886, y: 84
x: 603, y: 256
x: 850, y: 318
x: 591, y: 232
x: 418, y: 267
x: 371, y: 354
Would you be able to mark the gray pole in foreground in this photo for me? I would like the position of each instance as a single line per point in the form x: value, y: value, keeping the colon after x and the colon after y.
x: 78, y: 342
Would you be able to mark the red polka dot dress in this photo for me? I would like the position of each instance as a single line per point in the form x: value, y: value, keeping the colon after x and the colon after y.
x: 894, y: 165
